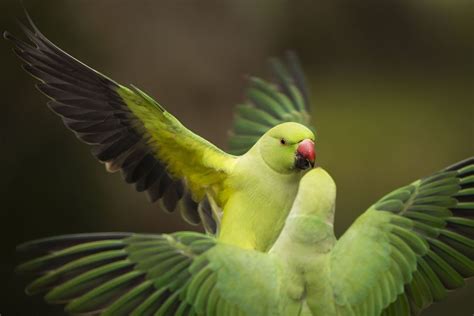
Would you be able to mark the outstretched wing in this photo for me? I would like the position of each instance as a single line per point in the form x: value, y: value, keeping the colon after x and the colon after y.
x: 114, y: 273
x: 184, y: 273
x: 267, y: 104
x: 409, y: 248
x: 128, y: 130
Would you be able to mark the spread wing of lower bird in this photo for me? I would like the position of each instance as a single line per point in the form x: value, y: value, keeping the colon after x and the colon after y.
x: 411, y: 247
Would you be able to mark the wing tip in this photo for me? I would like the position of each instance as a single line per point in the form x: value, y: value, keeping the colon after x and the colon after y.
x: 460, y: 164
x: 49, y: 242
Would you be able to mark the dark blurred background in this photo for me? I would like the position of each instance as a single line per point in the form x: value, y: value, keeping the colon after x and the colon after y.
x: 392, y: 98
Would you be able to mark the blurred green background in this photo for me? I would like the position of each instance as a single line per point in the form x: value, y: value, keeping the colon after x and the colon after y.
x: 392, y: 97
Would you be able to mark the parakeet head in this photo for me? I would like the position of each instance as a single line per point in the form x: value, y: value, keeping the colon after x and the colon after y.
x: 288, y: 147
x: 316, y: 193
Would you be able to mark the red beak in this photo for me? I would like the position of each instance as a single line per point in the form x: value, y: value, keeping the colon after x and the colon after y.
x: 306, y: 149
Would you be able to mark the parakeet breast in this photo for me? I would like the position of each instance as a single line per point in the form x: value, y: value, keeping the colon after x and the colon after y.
x: 255, y: 212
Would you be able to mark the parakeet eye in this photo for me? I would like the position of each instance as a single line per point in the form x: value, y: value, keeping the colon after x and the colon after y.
x: 283, y: 141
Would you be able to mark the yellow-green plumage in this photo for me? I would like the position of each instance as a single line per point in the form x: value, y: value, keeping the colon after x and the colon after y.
x: 186, y: 154
x: 130, y: 132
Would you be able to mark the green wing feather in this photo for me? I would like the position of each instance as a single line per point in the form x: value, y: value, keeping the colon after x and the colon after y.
x: 271, y: 103
x: 127, y: 129
x: 114, y: 274
x: 185, y: 273
x: 410, y: 247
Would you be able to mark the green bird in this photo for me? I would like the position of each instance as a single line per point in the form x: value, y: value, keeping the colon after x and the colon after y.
x: 129, y: 131
x: 404, y: 253
x: 266, y: 257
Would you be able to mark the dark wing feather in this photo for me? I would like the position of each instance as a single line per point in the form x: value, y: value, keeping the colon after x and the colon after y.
x: 91, y: 107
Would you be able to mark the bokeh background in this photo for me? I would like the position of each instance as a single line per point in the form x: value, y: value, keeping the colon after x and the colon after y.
x: 392, y: 99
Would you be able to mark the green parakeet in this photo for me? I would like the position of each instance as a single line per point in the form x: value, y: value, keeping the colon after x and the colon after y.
x: 273, y: 254
x: 404, y: 253
x: 131, y: 132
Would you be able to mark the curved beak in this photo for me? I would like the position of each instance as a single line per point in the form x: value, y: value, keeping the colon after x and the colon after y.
x: 305, y: 155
